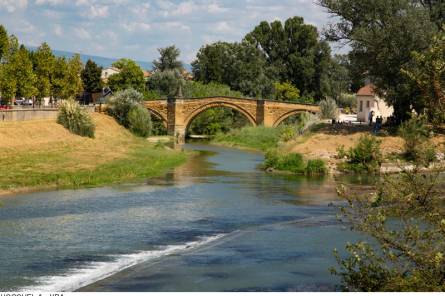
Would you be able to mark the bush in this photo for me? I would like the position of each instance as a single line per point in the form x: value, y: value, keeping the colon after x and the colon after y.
x: 365, y: 156
x: 416, y: 135
x: 120, y: 104
x: 166, y: 83
x: 292, y: 162
x: 347, y: 101
x: 315, y: 167
x: 139, y: 121
x: 328, y: 109
x: 76, y: 119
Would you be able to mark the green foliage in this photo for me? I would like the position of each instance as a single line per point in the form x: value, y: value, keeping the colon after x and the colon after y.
x: 365, y: 156
x: 91, y: 77
x: 166, y: 83
x: 404, y: 217
x: 196, y: 89
x: 217, y: 120
x: 328, y: 109
x: 336, y: 79
x: 416, y: 134
x: 346, y: 100
x: 315, y: 167
x: 258, y: 137
x: 293, y: 53
x: 383, y: 34
x: 17, y: 78
x: 72, y: 80
x: 168, y: 60
x: 428, y: 72
x: 4, y: 42
x: 130, y: 76
x: 241, y: 66
x: 293, y: 162
x: 286, y: 91
x: 44, y: 63
x: 139, y: 121
x: 75, y: 118
x: 120, y: 104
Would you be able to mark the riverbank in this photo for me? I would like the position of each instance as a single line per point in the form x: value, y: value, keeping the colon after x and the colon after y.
x: 321, y: 142
x: 41, y: 155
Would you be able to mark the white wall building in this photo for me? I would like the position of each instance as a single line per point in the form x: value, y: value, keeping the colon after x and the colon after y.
x: 367, y: 101
x: 107, y: 72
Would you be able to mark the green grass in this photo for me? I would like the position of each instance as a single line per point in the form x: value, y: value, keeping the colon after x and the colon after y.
x: 259, y: 138
x: 143, y: 161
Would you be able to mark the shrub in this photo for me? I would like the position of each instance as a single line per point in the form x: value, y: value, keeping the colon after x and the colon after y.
x: 403, y: 220
x: 328, y: 109
x: 347, y: 101
x: 365, y: 156
x: 416, y: 135
x: 139, y: 121
x: 315, y: 167
x: 120, y: 104
x: 76, y: 119
x: 292, y: 162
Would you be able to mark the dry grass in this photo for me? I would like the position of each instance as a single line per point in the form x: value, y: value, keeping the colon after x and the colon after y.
x: 40, y: 154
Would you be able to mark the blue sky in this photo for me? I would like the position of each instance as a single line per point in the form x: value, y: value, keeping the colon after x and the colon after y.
x: 136, y: 28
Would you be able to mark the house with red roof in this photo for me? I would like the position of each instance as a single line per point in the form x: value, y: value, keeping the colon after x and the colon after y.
x: 367, y: 101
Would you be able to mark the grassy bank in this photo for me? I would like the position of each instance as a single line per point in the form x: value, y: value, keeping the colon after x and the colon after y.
x: 40, y: 155
x: 258, y: 138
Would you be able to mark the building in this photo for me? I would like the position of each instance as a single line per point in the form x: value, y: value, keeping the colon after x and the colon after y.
x: 367, y: 101
x: 107, y: 72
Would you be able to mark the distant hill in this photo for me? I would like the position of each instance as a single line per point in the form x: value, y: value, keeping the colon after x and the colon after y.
x: 102, y: 61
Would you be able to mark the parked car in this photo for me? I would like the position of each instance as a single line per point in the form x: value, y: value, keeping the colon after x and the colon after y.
x: 27, y: 102
x: 19, y: 101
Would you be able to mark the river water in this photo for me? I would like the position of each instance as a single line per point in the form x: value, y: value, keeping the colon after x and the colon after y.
x: 217, y: 223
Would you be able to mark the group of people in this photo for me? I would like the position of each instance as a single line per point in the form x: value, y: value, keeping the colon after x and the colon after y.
x: 378, y: 122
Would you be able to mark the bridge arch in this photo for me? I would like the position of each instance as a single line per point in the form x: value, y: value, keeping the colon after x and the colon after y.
x: 289, y: 114
x: 158, y: 115
x: 189, y: 119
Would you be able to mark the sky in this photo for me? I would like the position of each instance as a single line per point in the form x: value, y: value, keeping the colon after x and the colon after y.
x: 137, y: 28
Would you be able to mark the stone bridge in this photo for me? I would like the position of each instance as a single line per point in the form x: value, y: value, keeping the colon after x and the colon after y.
x: 178, y: 113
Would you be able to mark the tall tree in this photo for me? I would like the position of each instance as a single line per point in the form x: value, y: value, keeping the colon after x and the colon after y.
x: 44, y: 62
x: 91, y: 77
x: 168, y: 60
x: 58, y: 77
x: 4, y: 41
x: 382, y: 35
x: 238, y: 65
x: 130, y: 76
x: 293, y: 52
x: 73, y: 81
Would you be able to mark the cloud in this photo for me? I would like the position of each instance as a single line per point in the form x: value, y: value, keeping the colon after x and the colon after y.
x: 13, y: 5
x: 135, y: 28
x: 82, y: 33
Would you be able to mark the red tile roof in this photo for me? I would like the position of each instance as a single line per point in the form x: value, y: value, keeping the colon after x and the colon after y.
x: 367, y: 90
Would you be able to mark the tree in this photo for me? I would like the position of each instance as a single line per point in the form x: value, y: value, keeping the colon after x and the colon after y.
x: 91, y: 77
x: 428, y: 72
x: 293, y: 53
x: 238, y: 65
x: 73, y: 82
x: 336, y: 80
x: 17, y: 77
x: 286, y: 91
x: 44, y: 63
x: 130, y: 76
x: 382, y: 35
x: 58, y: 77
x: 4, y: 42
x: 166, y: 83
x: 121, y: 103
x: 168, y: 59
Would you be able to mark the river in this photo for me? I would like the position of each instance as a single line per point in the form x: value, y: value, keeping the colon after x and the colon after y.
x: 217, y: 223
